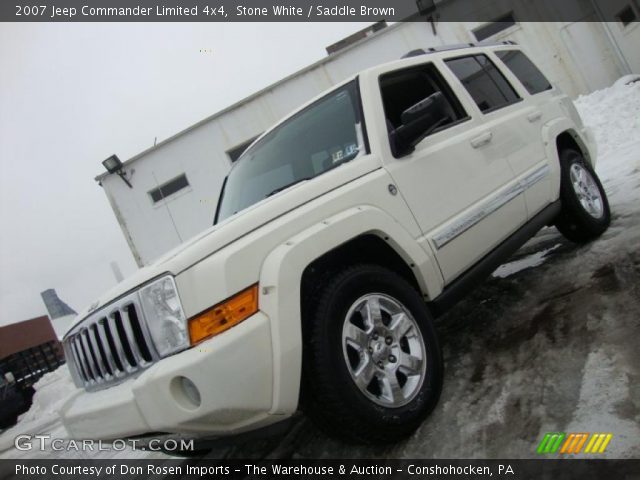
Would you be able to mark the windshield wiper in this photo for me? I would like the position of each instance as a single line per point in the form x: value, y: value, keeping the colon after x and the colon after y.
x: 284, y: 187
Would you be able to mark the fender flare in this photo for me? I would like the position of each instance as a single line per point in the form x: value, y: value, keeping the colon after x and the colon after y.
x: 281, y: 276
x: 550, y: 133
x: 584, y: 138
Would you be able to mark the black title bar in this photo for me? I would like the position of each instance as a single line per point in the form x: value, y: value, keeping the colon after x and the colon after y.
x: 305, y: 10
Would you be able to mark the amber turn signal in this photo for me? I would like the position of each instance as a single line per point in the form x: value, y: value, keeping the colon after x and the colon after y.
x: 224, y: 315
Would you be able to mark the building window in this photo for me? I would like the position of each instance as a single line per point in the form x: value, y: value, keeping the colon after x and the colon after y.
x: 235, y: 152
x: 627, y: 16
x: 498, y: 25
x: 169, y: 188
x: 484, y: 82
x: 523, y: 68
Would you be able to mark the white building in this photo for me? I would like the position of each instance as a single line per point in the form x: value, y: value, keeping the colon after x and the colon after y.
x: 176, y: 183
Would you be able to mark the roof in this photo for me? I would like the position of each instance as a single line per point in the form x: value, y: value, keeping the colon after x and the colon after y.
x: 20, y: 336
x: 253, y: 96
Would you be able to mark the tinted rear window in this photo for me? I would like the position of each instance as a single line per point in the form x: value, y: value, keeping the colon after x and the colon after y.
x: 484, y: 82
x: 523, y: 68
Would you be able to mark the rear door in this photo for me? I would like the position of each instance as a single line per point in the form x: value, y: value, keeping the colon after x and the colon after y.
x: 534, y: 168
x: 516, y: 127
x: 457, y: 185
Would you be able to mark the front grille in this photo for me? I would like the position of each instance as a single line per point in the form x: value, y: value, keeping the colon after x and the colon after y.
x: 110, y: 345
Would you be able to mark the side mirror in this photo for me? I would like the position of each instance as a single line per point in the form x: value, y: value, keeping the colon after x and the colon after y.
x: 418, y: 121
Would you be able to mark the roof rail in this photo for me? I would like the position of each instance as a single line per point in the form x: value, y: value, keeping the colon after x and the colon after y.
x: 444, y: 48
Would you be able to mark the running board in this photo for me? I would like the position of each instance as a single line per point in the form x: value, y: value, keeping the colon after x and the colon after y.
x: 466, y: 282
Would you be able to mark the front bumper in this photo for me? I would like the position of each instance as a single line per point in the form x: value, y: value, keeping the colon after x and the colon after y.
x: 233, y: 373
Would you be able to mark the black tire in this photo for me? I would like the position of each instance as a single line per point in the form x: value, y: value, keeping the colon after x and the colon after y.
x: 575, y: 222
x: 331, y: 397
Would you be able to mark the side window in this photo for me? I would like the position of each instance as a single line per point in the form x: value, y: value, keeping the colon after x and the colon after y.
x: 484, y: 82
x: 523, y: 68
x: 403, y: 89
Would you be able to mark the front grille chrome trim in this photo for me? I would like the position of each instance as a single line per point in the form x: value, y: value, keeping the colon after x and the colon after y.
x: 106, y: 347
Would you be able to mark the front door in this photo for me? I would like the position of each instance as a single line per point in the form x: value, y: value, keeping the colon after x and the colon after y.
x: 457, y: 182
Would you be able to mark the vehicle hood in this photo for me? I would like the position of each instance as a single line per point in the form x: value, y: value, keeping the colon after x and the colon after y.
x: 233, y: 228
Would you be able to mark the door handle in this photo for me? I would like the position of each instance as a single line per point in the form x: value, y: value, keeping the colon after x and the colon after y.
x: 535, y: 116
x: 481, y: 140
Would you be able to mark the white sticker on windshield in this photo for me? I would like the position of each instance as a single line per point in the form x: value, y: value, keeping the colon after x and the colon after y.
x: 351, y: 149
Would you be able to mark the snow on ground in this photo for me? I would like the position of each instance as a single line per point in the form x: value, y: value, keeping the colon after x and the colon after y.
x: 549, y: 343
x: 52, y: 391
x: 530, y: 261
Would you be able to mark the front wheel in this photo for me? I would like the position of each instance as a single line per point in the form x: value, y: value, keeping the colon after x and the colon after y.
x: 585, y: 211
x: 372, y: 364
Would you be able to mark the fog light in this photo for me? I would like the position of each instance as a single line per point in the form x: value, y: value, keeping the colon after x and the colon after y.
x: 186, y: 393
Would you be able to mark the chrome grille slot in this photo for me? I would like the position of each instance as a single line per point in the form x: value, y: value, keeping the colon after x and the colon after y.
x: 138, y: 334
x: 100, y: 352
x: 88, y: 361
x: 71, y: 346
x: 80, y: 357
x: 110, y: 345
x: 95, y: 354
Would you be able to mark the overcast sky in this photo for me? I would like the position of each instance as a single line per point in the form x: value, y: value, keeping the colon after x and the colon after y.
x: 73, y: 94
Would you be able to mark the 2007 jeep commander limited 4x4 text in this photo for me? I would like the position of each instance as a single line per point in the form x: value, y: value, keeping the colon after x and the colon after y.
x: 339, y: 235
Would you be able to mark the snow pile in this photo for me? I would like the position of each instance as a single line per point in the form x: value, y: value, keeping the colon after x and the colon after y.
x: 614, y: 115
x: 52, y: 391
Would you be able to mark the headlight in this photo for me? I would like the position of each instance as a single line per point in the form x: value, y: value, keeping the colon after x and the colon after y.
x: 165, y: 318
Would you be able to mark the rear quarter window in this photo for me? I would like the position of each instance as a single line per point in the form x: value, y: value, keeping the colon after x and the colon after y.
x: 525, y: 70
x: 485, y: 83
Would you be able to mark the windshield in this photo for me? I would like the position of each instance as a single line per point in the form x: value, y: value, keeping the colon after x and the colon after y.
x: 326, y: 134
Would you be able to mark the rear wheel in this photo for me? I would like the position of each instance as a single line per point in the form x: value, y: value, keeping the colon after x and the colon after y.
x: 585, y: 211
x: 372, y: 365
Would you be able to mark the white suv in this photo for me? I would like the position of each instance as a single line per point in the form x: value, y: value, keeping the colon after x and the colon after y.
x: 340, y: 234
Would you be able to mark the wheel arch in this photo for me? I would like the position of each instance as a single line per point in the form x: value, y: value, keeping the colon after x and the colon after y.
x: 569, y: 139
x: 371, y: 247
x: 559, y: 134
x: 356, y: 234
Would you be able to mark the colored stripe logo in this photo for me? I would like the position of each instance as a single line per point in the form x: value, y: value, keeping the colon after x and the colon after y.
x: 573, y: 443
